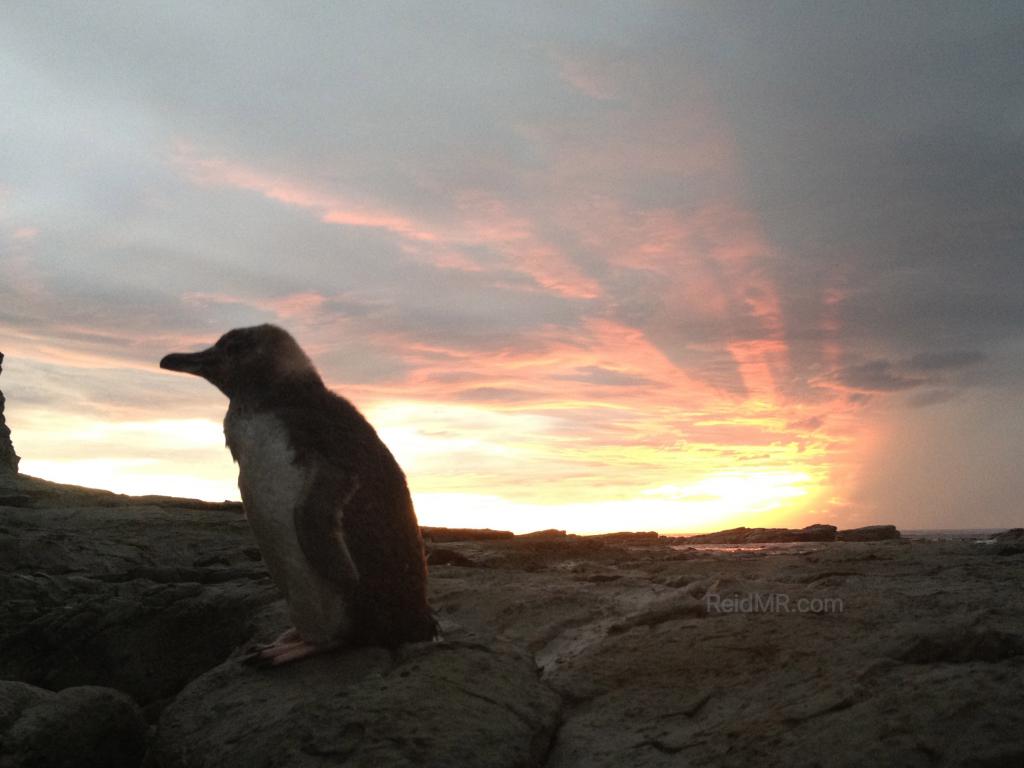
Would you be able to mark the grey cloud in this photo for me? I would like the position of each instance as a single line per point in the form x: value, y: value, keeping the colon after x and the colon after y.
x: 496, y: 395
x: 876, y: 376
x: 942, y: 361
x: 931, y: 397
x: 883, y: 154
x: 606, y: 377
x: 812, y: 423
x: 925, y: 368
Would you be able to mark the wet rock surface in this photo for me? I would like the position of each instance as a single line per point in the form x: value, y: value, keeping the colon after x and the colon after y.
x: 558, y: 650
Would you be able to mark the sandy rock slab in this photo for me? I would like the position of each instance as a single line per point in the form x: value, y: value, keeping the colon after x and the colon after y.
x: 919, y: 663
x: 432, y: 704
x: 78, y: 727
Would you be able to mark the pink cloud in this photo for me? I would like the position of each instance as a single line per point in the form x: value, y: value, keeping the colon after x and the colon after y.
x: 333, y: 209
x: 591, y: 77
x: 478, y: 220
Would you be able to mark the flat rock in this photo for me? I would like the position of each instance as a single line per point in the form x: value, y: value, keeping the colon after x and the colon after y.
x: 81, y: 727
x: 433, y: 704
x: 881, y: 654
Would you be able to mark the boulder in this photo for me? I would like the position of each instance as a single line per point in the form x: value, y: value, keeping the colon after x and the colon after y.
x: 430, y: 704
x: 84, y: 727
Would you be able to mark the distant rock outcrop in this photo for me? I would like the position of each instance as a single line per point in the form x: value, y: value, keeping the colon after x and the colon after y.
x: 463, y: 534
x: 745, y: 535
x: 8, y: 458
x: 869, y: 533
x: 1012, y: 535
x: 817, y: 532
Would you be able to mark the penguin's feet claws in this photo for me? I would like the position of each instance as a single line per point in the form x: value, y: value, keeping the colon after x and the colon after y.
x: 288, y: 647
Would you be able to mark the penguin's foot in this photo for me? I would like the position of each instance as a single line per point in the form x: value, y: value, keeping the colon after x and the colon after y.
x: 289, y: 646
x: 288, y: 636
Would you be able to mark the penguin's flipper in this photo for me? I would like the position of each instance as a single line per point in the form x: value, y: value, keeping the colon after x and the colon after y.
x: 318, y: 527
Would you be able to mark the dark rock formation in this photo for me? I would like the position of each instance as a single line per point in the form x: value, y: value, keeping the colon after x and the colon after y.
x: 1011, y: 536
x: 35, y: 493
x: 559, y: 651
x: 869, y: 533
x: 447, y: 556
x: 627, y: 536
x: 463, y: 534
x: 8, y: 458
x: 817, y: 532
x: 959, y: 644
x: 1009, y: 542
x: 86, y: 727
x: 142, y: 599
x: 729, y: 536
x: 434, y: 704
x: 745, y: 535
x: 547, y: 533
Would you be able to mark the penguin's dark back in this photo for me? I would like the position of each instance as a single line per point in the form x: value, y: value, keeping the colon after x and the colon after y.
x: 378, y: 520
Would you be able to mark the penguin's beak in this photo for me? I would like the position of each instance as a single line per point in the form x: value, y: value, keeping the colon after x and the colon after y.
x: 197, y: 363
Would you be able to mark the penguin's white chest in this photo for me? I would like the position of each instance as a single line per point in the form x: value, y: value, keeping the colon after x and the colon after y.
x: 270, y: 481
x: 272, y: 486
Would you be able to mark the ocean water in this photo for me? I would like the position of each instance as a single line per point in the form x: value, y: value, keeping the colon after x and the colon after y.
x: 978, y: 535
x: 952, y: 534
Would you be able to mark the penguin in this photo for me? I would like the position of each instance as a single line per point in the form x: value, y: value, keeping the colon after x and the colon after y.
x: 327, y: 502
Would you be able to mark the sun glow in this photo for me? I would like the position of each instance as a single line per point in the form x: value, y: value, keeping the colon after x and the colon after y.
x: 722, y: 501
x: 172, y: 457
x: 533, y: 479
x: 538, y: 479
x: 136, y: 477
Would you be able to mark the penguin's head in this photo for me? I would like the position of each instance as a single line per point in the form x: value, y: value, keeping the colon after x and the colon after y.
x: 247, y: 361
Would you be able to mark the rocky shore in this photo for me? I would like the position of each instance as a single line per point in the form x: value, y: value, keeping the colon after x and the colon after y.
x: 123, y: 620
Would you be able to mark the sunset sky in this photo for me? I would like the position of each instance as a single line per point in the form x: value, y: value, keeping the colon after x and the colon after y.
x: 594, y: 266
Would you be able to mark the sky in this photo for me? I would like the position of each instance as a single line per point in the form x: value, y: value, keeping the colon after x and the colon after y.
x: 585, y: 265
